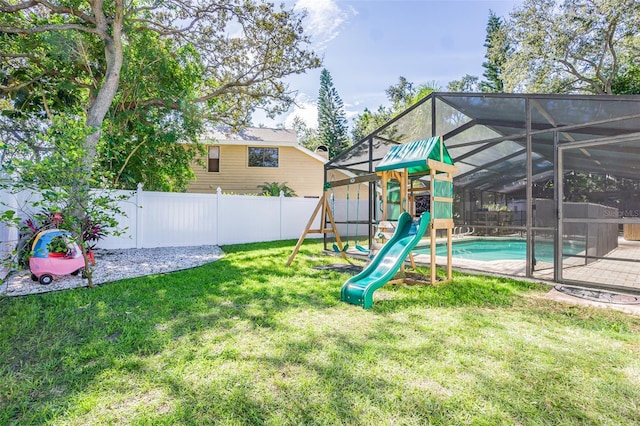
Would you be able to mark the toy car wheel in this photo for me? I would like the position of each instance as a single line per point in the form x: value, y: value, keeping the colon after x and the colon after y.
x: 46, y: 279
x: 76, y: 272
x: 33, y: 277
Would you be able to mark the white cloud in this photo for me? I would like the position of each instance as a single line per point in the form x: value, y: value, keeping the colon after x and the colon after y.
x: 324, y: 19
x: 305, y: 109
x: 351, y: 111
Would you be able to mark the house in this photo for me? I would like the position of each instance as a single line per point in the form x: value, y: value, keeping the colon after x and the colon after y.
x: 239, y: 162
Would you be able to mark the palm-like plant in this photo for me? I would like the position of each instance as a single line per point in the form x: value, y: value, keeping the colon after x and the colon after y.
x: 272, y: 189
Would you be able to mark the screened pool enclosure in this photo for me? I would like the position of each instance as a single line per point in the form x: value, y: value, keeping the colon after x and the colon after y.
x: 552, y: 180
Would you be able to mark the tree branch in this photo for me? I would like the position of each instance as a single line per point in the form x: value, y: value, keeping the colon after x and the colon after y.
x: 574, y: 72
x: 9, y: 8
x: 67, y: 10
x: 45, y: 28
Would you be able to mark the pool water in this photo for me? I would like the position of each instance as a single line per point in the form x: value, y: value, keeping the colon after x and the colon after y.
x: 501, y: 249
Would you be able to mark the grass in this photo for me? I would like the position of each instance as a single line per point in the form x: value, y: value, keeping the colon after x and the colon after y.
x: 248, y: 340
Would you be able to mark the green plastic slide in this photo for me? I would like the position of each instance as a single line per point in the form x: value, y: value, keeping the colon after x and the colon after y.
x: 358, y: 290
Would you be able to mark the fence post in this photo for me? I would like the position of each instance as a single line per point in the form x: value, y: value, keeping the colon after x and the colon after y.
x: 139, y: 205
x: 218, y: 202
x: 281, y: 209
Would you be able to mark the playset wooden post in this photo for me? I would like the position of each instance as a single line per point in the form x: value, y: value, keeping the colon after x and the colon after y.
x: 323, y: 205
x: 400, y: 164
x: 417, y: 159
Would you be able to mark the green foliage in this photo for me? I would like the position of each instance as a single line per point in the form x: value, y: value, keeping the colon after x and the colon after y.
x: 366, y: 123
x: 468, y: 83
x: 155, y: 72
x: 273, y: 189
x: 493, y: 207
x: 150, y: 143
x: 63, y: 184
x: 307, y: 136
x: 628, y: 82
x: 332, y: 122
x: 569, y: 46
x: 46, y: 75
x: 57, y: 245
x: 425, y: 90
x: 401, y: 94
x: 498, y: 50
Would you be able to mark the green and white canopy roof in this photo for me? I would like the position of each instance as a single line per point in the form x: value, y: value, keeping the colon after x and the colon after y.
x: 414, y: 156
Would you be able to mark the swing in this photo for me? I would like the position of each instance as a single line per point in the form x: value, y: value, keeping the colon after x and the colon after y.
x: 358, y: 246
x: 346, y: 244
x: 333, y: 208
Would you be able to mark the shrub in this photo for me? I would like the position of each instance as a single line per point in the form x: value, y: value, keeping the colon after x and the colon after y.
x: 58, y: 244
x: 272, y: 189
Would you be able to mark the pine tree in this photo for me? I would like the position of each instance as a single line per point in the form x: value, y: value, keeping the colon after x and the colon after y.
x: 332, y: 122
x: 497, y: 51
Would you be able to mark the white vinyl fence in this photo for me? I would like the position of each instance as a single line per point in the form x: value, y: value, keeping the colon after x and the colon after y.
x: 161, y: 219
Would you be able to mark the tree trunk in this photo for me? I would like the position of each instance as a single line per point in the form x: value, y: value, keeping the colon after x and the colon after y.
x: 113, y: 52
x: 98, y: 107
x: 111, y: 35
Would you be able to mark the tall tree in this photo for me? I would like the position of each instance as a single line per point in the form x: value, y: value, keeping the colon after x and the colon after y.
x: 425, y: 90
x: 401, y: 94
x: 245, y: 48
x: 148, y: 143
x: 365, y: 123
x: 569, y: 46
x: 332, y: 121
x: 468, y: 83
x: 497, y: 51
x: 307, y: 136
x: 496, y: 55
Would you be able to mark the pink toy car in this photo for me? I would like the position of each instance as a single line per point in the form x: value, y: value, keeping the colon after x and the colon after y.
x: 44, y: 264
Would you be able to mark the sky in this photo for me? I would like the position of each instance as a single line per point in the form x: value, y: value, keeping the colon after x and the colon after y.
x: 367, y: 45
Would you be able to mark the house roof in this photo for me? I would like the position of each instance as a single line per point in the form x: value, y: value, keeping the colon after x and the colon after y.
x: 257, y: 136
x: 414, y: 155
x: 251, y: 135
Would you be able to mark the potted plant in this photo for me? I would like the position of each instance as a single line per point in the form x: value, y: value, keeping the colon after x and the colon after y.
x: 57, y: 247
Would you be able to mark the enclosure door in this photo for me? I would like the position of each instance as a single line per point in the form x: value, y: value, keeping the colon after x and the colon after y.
x: 598, y: 241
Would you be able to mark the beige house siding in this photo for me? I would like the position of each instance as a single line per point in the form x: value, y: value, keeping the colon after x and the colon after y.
x: 301, y: 172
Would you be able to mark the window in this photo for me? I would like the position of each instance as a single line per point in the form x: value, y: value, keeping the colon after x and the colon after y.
x: 263, y: 157
x: 214, y: 159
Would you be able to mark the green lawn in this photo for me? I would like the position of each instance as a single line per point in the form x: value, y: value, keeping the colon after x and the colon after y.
x: 248, y: 340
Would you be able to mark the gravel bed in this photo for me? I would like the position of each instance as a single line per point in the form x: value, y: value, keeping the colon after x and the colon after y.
x: 114, y: 265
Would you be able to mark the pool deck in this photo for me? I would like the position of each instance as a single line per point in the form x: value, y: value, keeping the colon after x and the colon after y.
x: 603, y: 272
x: 621, y: 275
x: 574, y: 270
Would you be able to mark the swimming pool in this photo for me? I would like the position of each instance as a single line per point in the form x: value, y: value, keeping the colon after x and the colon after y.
x: 501, y: 249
